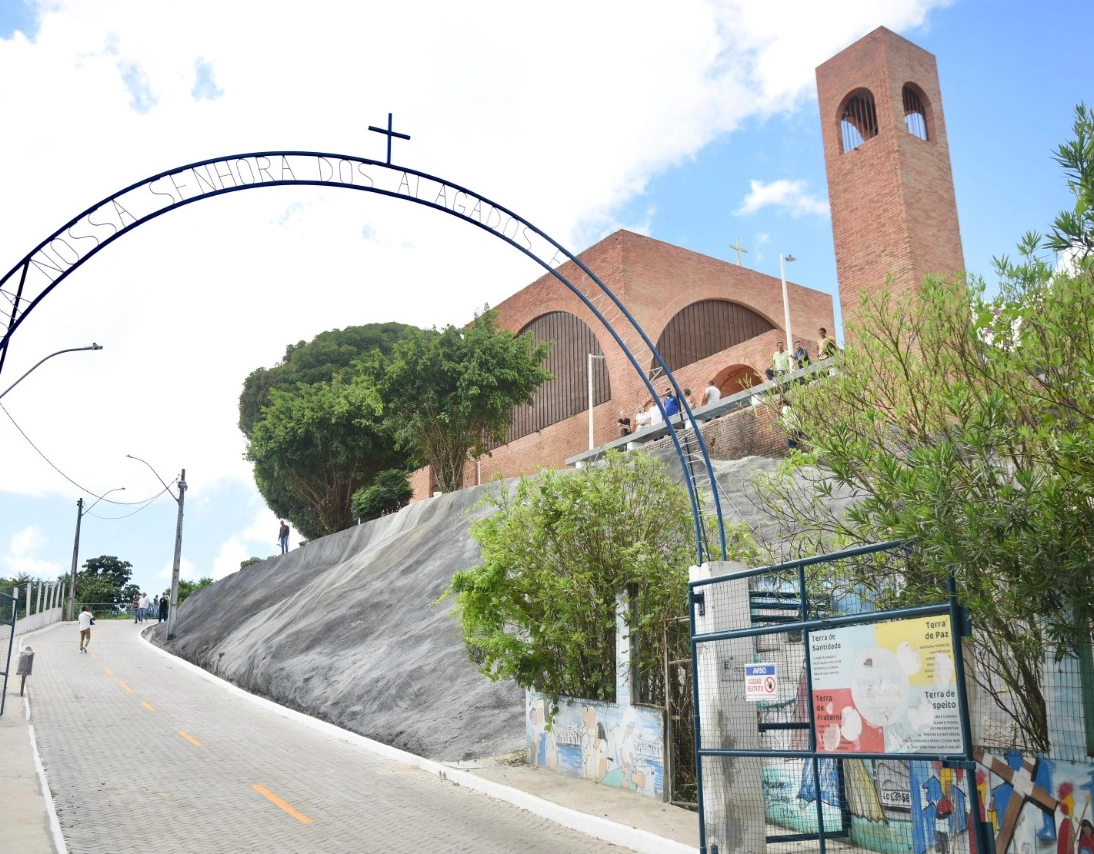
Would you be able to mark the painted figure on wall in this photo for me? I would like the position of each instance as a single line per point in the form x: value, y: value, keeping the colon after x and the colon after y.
x: 594, y: 745
x: 544, y: 743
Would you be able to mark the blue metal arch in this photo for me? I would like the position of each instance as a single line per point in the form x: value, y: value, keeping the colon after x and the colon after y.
x: 42, y: 261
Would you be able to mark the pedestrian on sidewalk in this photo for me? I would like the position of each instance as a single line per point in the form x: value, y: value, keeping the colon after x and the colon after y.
x: 283, y: 537
x: 163, y: 607
x: 142, y: 607
x: 86, y: 622
x: 137, y: 608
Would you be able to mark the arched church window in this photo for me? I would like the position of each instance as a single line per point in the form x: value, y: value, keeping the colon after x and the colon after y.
x: 568, y: 393
x: 705, y: 328
x: 915, y: 114
x: 858, y: 121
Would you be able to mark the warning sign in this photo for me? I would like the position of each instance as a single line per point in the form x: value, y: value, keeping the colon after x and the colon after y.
x: 761, y: 682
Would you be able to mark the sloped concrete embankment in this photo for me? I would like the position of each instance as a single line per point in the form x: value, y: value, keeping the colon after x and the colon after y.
x: 347, y: 629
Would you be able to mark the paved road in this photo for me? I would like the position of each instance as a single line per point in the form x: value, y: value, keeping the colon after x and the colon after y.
x: 142, y: 754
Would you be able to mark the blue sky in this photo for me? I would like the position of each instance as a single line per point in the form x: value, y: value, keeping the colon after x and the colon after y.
x: 662, y: 124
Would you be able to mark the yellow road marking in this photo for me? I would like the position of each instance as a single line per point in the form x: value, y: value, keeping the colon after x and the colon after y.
x: 148, y: 706
x: 128, y: 690
x: 108, y: 671
x: 190, y: 738
x: 93, y: 655
x: 274, y: 799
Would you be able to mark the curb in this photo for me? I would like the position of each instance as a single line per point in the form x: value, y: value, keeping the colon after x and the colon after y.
x: 641, y: 841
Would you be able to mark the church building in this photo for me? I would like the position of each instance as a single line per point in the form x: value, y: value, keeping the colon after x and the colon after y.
x: 894, y: 220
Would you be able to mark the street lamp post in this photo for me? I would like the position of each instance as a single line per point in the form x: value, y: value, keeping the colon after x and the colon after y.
x: 786, y: 302
x: 178, y: 544
x: 46, y: 359
x: 76, y: 546
x: 591, y: 357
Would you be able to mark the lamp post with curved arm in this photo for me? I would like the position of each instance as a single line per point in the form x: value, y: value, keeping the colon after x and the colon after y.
x: 46, y: 359
x: 178, y: 543
x: 76, y: 545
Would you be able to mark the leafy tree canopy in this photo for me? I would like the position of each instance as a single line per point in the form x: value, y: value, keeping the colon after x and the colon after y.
x: 316, y: 446
x: 540, y: 608
x: 389, y: 491
x: 328, y: 354
x: 104, y: 580
x: 965, y: 423
x: 451, y: 395
x: 188, y: 587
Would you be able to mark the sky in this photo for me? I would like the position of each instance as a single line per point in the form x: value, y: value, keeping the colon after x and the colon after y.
x: 694, y: 122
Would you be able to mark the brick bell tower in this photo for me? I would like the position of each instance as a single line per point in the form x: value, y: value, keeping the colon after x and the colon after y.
x: 890, y: 184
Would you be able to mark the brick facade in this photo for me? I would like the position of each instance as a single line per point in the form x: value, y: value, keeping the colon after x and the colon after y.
x: 893, y: 207
x: 655, y: 281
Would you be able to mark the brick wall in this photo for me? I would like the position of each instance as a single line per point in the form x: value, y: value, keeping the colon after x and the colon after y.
x: 893, y: 207
x: 655, y: 281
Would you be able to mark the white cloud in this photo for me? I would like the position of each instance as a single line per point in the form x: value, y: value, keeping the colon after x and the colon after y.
x: 21, y: 557
x: 258, y: 539
x: 190, y: 303
x: 789, y: 195
x: 186, y: 570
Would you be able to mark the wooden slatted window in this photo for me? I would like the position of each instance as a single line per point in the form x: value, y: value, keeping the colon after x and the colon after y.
x: 705, y: 328
x: 568, y: 393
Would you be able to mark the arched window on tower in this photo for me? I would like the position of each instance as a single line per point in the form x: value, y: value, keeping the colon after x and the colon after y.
x: 915, y: 115
x: 858, y: 120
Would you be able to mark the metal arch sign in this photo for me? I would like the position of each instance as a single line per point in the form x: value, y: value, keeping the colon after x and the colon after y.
x: 81, y: 238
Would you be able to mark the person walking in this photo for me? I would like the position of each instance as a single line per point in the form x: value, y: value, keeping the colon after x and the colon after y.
x: 136, y: 609
x: 163, y: 608
x: 283, y: 537
x: 86, y: 621
x: 142, y: 607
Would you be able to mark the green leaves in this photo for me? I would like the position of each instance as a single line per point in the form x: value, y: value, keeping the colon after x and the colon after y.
x: 452, y: 393
x: 965, y: 424
x: 540, y: 608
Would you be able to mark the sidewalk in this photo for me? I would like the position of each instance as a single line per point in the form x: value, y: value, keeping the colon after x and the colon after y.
x: 25, y: 818
x: 628, y: 820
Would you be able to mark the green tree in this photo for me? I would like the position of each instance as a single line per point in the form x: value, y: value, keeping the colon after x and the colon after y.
x: 188, y: 587
x: 315, y: 447
x: 965, y: 424
x: 104, y: 579
x: 389, y: 492
x: 451, y: 394
x: 329, y: 354
x: 540, y: 608
x: 251, y: 561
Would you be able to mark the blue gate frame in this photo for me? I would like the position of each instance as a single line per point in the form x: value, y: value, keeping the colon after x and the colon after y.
x: 760, y: 625
x: 57, y: 256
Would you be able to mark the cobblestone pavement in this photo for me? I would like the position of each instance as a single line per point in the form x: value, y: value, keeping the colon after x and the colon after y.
x: 142, y: 754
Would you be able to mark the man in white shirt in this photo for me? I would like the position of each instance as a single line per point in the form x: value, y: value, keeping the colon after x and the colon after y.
x: 142, y: 607
x: 712, y: 394
x: 85, y: 621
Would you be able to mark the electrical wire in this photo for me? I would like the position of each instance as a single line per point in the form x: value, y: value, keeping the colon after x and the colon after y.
x: 70, y: 480
x: 147, y: 503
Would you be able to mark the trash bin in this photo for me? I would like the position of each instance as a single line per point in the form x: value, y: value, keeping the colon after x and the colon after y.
x: 25, y: 667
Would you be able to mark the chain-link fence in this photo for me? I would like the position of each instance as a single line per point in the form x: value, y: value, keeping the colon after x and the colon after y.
x: 825, y: 721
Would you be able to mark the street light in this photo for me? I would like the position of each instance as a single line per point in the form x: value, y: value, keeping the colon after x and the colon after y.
x: 76, y: 545
x: 178, y: 543
x: 591, y: 357
x: 786, y: 302
x: 46, y: 359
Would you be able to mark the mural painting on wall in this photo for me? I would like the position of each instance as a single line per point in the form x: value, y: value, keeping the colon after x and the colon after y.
x: 1036, y: 805
x: 613, y: 746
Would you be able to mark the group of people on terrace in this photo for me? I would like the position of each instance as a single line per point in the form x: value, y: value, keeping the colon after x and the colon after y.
x: 783, y: 361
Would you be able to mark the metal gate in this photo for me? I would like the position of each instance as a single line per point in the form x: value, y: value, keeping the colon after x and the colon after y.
x: 820, y: 717
x: 9, y: 612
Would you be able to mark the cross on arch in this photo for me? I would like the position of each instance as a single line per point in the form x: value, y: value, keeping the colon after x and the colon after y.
x: 389, y: 133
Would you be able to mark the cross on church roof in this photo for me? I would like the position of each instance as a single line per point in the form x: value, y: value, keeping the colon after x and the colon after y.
x: 389, y: 133
x: 739, y: 249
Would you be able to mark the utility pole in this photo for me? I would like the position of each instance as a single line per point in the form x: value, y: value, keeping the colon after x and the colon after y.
x: 178, y: 559
x: 75, y: 560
